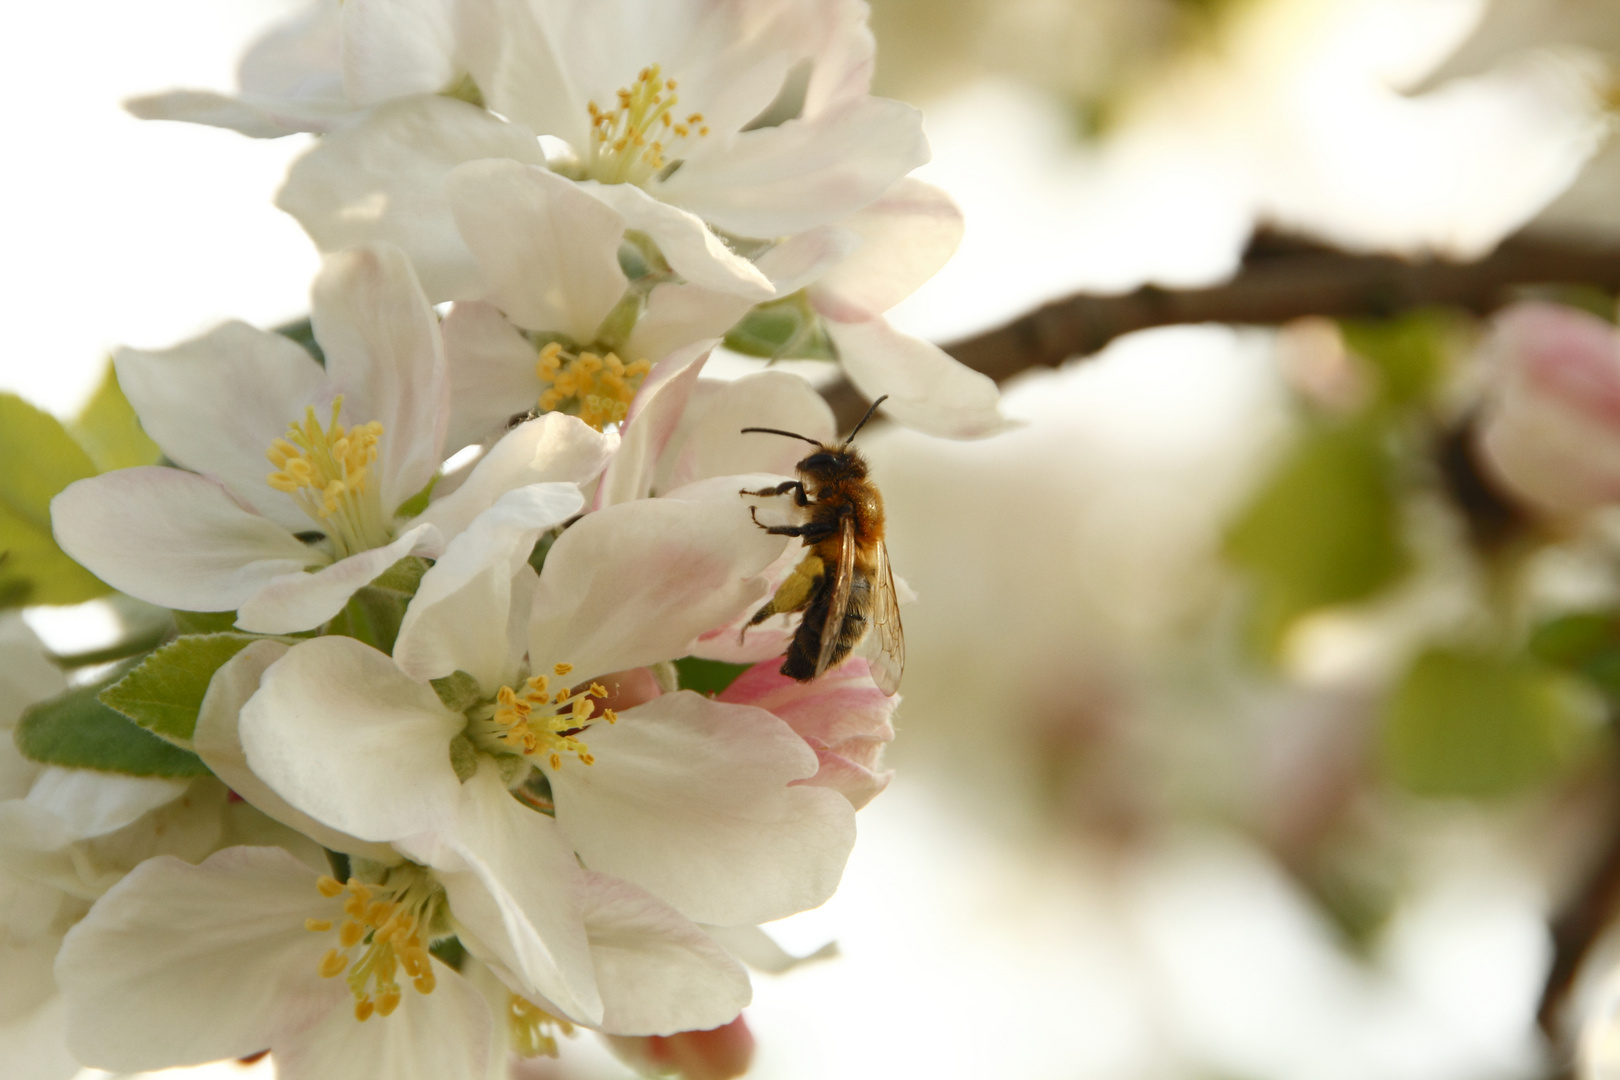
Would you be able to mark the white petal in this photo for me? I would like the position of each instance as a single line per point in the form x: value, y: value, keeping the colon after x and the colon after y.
x: 248, y: 115
x: 294, y: 602
x: 392, y: 48
x: 492, y: 372
x: 516, y: 65
x: 26, y: 672
x: 554, y: 448
x: 172, y: 538
x: 516, y: 885
x: 634, y: 584
x: 802, y: 259
x: 384, y: 355
x: 383, y: 180
x: 754, y: 947
x: 31, y: 1044
x: 94, y: 803
x: 650, y: 422
x: 216, y: 403
x: 658, y: 972
x: 548, y: 250
x: 929, y: 391
x: 180, y: 964
x: 910, y: 231
x: 446, y: 1034
x: 678, y: 314
x: 343, y: 735
x: 694, y: 801
x: 807, y: 172
x: 299, y: 58
x: 462, y: 615
x: 717, y: 446
x: 218, y: 742
x: 692, y: 249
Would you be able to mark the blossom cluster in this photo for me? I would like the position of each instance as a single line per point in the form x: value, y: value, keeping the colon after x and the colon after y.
x: 457, y: 745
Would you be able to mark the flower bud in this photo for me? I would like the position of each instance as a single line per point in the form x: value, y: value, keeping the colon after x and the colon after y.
x: 719, y: 1054
x: 1549, y: 432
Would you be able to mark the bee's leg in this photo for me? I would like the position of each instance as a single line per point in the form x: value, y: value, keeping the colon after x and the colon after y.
x: 783, y: 488
x: 780, y: 530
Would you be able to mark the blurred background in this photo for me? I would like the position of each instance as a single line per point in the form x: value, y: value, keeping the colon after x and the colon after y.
x: 1258, y: 719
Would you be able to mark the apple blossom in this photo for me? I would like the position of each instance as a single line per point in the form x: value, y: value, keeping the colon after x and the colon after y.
x: 284, y: 450
x: 1549, y: 430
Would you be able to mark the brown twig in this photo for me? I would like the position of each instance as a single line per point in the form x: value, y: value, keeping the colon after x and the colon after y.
x: 1280, y: 279
x: 1577, y: 927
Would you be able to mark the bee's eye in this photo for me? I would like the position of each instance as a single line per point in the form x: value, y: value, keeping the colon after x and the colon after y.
x: 818, y: 463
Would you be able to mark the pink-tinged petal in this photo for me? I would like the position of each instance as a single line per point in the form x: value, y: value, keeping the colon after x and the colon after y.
x: 844, y: 58
x: 909, y: 232
x: 384, y: 355
x: 691, y: 248
x: 679, y: 314
x: 548, y: 250
x: 295, y: 602
x: 92, y: 803
x: 346, y: 737
x: 218, y: 742
x: 1550, y: 429
x: 659, y: 973
x: 929, y: 391
x: 173, y: 538
x: 694, y: 801
x: 516, y: 886
x: 716, y: 445
x: 551, y: 449
x: 393, y: 48
x: 632, y: 585
x: 383, y: 181
x: 807, y: 172
x: 721, y: 1053
x: 800, y: 260
x: 216, y: 403
x: 651, y: 420
x: 448, y: 1033
x: 181, y: 964
x: 493, y: 373
x: 463, y: 616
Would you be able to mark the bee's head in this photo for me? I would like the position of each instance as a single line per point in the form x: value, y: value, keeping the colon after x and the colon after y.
x: 829, y: 463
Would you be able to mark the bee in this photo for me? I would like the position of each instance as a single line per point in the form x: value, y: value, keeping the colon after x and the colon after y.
x: 843, y: 585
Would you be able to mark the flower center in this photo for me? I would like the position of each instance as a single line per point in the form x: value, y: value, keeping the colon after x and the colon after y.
x: 384, y: 928
x: 530, y: 1027
x: 633, y: 142
x: 597, y: 389
x: 536, y: 722
x: 327, y: 471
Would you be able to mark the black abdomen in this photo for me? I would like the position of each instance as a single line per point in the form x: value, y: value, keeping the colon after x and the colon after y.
x: 805, y: 648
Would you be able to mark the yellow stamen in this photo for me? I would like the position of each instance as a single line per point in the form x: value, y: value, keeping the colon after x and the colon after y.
x: 597, y: 389
x: 531, y: 1029
x: 327, y: 471
x: 386, y: 924
x: 619, y: 151
x: 320, y: 926
x: 535, y: 722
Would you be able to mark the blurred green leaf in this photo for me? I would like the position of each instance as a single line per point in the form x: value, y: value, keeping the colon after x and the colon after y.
x: 165, y: 692
x: 76, y: 730
x: 205, y: 622
x: 1587, y: 643
x: 708, y: 676
x: 1324, y: 530
x: 1410, y: 352
x: 38, y: 458
x: 1480, y: 725
x: 109, y: 430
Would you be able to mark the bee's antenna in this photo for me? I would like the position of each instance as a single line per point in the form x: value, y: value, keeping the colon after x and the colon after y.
x: 865, y: 418
x: 779, y: 431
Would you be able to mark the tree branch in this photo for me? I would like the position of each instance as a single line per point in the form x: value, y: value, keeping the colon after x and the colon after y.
x: 1280, y: 279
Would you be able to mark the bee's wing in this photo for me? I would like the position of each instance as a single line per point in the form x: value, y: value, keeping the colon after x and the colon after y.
x: 838, y: 606
x: 885, y: 645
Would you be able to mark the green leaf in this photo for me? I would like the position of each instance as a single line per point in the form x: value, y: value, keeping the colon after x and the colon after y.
x: 1587, y: 643
x: 1480, y: 725
x: 1324, y: 530
x: 784, y: 329
x: 205, y: 622
x: 707, y: 676
x: 1409, y: 352
x: 38, y: 458
x: 109, y: 430
x: 76, y: 730
x: 166, y: 691
x: 373, y: 616
x: 404, y: 577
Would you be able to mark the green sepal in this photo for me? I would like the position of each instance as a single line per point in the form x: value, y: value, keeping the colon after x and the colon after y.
x: 303, y: 332
x: 463, y: 757
x: 205, y: 622
x: 1480, y: 725
x: 1325, y: 529
x: 38, y: 458
x: 375, y: 612
x: 458, y: 691
x: 165, y: 692
x: 77, y: 731
x: 404, y: 577
x: 708, y: 676
x: 417, y: 503
x: 109, y: 430
x: 450, y: 952
x: 785, y: 329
